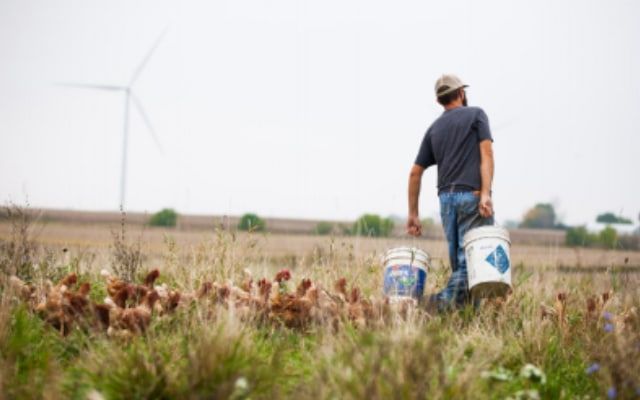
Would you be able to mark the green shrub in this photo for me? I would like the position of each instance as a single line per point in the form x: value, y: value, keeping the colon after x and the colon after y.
x: 373, y: 225
x: 252, y: 223
x: 608, y: 237
x: 579, y: 236
x: 323, y: 228
x: 165, y: 217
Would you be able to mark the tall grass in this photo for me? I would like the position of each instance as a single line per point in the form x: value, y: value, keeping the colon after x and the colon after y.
x: 205, y: 352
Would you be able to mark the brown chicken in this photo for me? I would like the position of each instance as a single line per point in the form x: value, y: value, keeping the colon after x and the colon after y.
x: 134, y: 320
x: 292, y: 310
x: 23, y: 291
x: 355, y: 309
x: 114, y: 284
x: 341, y: 288
x: 62, y: 307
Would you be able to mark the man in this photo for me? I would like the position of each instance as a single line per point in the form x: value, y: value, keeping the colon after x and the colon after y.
x: 459, y: 142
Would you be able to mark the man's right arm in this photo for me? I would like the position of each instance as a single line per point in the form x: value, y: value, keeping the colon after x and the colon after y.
x: 485, y: 141
x: 414, y: 227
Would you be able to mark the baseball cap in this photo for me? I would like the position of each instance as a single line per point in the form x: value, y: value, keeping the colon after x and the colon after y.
x: 447, y: 83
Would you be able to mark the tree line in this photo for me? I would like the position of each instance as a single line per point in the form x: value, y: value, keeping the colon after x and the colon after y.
x: 543, y: 216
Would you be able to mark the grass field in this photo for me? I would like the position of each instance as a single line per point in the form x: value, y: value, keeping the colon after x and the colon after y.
x: 559, y: 335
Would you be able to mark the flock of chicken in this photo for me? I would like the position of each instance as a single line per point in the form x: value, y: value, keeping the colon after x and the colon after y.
x: 129, y: 308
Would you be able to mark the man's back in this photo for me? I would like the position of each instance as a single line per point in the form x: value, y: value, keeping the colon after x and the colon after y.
x: 451, y: 142
x: 459, y: 142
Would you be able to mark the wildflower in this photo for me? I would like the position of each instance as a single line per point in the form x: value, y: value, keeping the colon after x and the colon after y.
x: 530, y: 394
x: 241, y: 388
x: 612, y: 393
x: 242, y: 383
x: 498, y: 374
x: 607, y: 315
x: 592, y: 368
x: 95, y: 395
x: 608, y: 327
x: 533, y: 373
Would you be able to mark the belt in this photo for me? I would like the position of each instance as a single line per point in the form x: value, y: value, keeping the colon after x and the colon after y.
x: 454, y: 189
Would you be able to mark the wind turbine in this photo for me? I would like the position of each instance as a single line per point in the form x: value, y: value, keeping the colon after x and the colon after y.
x: 129, y: 97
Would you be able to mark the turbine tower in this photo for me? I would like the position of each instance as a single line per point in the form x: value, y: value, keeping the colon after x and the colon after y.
x: 129, y: 97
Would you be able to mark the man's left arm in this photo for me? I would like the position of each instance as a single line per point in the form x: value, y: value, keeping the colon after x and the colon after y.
x: 414, y: 227
x: 485, y: 207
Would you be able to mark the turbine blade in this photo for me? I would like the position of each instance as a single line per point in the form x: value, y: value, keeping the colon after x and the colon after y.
x: 147, y: 121
x: 90, y: 86
x: 144, y: 61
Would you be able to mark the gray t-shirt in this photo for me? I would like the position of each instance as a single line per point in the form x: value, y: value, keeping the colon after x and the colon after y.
x: 452, y: 142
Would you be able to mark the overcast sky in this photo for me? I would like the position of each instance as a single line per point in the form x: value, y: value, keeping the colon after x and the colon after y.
x: 316, y: 109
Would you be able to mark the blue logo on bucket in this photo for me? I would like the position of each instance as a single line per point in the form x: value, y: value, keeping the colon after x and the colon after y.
x: 499, y: 259
x: 404, y: 280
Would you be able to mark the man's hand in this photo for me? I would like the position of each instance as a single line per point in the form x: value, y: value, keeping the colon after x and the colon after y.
x: 485, y: 206
x: 414, y: 227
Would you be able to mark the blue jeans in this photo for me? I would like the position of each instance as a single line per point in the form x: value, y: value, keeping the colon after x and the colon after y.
x: 459, y: 212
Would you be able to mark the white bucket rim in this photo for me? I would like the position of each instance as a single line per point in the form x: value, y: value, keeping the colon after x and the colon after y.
x: 405, y: 252
x: 484, y: 232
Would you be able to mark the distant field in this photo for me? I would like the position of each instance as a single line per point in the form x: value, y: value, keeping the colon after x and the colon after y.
x: 274, y: 225
x: 291, y: 247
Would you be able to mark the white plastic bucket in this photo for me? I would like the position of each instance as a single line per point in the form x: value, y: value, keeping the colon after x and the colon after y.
x: 487, y: 250
x: 405, y: 273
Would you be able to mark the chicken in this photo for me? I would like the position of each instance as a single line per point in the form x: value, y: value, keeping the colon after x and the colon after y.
x: 77, y: 302
x: 101, y: 314
x: 264, y: 290
x: 302, y: 288
x: 247, y: 283
x: 282, y: 276
x: 135, y: 319
x: 68, y: 281
x: 135, y: 292
x: 114, y: 284
x: 63, y: 307
x: 561, y: 308
x: 341, y: 288
x: 204, y: 290
x: 322, y: 307
x: 557, y: 312
x: 260, y: 303
x: 295, y: 310
x: 221, y: 293
x: 355, y: 310
x: 25, y: 292
x: 238, y: 295
x: 151, y: 277
x: 168, y: 299
x: 53, y: 295
x: 173, y: 301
